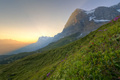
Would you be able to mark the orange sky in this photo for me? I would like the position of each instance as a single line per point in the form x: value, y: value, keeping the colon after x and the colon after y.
x: 8, y: 45
x: 26, y: 34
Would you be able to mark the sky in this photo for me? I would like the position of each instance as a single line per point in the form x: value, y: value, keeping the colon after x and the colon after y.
x: 27, y: 20
x: 8, y: 45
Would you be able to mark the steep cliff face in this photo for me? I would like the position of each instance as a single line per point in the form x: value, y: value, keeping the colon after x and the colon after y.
x: 72, y: 20
x: 87, y: 21
x: 75, y: 22
x: 106, y: 13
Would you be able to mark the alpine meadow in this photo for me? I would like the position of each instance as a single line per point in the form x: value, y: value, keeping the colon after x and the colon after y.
x: 95, y: 56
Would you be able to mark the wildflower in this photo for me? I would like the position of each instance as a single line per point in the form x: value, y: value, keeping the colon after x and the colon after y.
x: 62, y: 60
x: 92, y: 43
x: 65, y: 58
x: 105, y: 29
x: 48, y: 74
x: 116, y: 18
x: 99, y: 30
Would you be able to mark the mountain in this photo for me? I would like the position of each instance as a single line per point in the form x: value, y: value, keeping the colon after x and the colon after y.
x: 81, y: 21
x: 61, y: 42
x: 95, y: 56
x: 66, y: 40
x: 117, y: 7
x: 42, y: 42
x: 87, y: 21
x: 8, y: 45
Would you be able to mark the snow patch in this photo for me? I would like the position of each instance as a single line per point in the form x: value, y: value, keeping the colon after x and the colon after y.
x: 92, y: 17
x: 100, y: 20
x: 96, y: 20
x: 118, y: 10
x: 89, y: 12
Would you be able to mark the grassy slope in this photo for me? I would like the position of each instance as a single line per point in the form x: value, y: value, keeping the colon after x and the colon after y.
x: 52, y: 45
x: 14, y: 57
x: 96, y: 56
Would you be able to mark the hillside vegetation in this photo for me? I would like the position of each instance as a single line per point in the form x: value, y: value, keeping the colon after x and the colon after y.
x: 94, y: 57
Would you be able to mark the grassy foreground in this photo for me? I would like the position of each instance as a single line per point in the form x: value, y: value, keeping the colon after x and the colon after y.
x: 94, y: 57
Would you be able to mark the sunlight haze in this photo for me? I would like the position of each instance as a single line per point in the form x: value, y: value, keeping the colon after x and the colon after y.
x: 27, y: 20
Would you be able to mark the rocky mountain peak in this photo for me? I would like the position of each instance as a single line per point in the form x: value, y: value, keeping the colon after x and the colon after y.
x: 43, y: 39
x: 116, y: 6
x: 106, y: 13
x: 77, y: 11
x: 72, y: 18
x: 86, y: 21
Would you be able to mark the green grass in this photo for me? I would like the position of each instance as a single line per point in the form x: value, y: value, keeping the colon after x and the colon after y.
x: 94, y: 57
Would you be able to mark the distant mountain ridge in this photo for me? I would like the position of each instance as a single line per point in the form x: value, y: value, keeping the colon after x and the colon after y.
x: 81, y: 21
x: 42, y: 42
